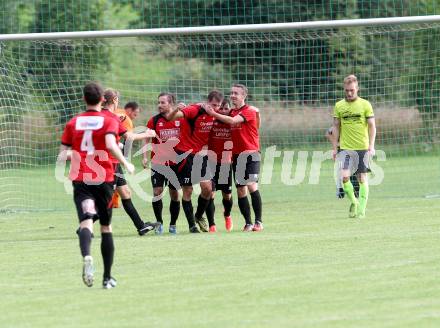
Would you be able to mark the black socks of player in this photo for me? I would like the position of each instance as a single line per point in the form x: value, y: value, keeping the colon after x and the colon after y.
x: 107, y: 251
x: 256, y: 205
x: 157, y: 208
x: 245, y: 209
x: 132, y: 213
x: 174, y: 211
x: 202, y: 204
x: 210, y: 210
x: 189, y: 212
x: 227, y: 205
x: 85, y: 239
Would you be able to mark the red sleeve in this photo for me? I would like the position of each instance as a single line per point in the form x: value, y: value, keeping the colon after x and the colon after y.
x: 150, y: 124
x: 121, y: 129
x: 191, y: 111
x: 248, y: 114
x: 112, y: 127
x: 66, y: 138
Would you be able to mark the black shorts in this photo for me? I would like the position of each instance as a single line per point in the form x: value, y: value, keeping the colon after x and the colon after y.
x: 357, y: 161
x: 194, y: 169
x: 102, y: 196
x: 119, y: 176
x: 246, y: 168
x: 222, y: 179
x: 165, y: 175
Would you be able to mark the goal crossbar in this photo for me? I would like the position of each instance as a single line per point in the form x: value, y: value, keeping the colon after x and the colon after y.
x: 223, y: 29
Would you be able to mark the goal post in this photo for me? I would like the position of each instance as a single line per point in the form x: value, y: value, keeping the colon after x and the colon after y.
x: 294, y: 72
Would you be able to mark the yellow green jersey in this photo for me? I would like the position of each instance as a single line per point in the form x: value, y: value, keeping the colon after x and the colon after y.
x: 353, y: 115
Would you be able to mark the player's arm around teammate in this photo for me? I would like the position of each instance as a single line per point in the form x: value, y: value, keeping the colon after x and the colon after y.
x: 246, y: 154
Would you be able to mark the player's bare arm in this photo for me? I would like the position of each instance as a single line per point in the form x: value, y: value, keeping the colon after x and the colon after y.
x: 257, y: 110
x: 336, y: 129
x: 372, y: 135
x: 175, y: 113
x: 224, y: 118
x: 112, y: 146
x: 146, y: 153
x: 140, y: 136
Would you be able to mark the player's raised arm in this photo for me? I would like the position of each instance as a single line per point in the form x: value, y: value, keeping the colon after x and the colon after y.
x: 175, y: 113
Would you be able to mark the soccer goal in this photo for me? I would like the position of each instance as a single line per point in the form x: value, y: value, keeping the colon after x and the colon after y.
x: 294, y: 72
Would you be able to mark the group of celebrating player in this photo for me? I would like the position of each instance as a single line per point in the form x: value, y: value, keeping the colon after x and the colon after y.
x: 204, y: 143
x: 208, y: 143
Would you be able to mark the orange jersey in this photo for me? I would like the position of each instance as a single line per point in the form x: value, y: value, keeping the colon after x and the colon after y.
x: 126, y: 122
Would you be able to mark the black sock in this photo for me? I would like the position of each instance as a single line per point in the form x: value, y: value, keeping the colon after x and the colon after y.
x: 157, y: 209
x: 174, y: 211
x: 227, y: 205
x: 85, y: 240
x: 202, y: 204
x: 189, y: 212
x: 245, y: 209
x: 132, y: 213
x: 210, y: 210
x: 256, y: 205
x: 107, y: 251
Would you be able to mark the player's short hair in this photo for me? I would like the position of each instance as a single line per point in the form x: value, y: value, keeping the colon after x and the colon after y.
x: 350, y: 79
x: 93, y: 93
x: 133, y: 105
x: 215, y: 95
x: 109, y: 95
x: 242, y: 87
x: 171, y: 97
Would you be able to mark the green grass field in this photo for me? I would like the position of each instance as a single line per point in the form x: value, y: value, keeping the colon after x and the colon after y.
x: 310, y: 267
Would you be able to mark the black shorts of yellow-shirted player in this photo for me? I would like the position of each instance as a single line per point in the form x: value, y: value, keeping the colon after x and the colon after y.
x: 355, y: 128
x: 340, y: 193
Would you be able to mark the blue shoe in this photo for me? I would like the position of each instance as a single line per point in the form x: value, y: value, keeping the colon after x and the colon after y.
x: 159, y: 229
x: 172, y: 230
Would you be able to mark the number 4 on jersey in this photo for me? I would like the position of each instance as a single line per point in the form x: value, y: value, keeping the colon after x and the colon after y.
x: 87, y: 142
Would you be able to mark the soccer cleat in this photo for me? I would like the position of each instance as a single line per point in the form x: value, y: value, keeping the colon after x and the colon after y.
x: 148, y: 226
x: 228, y: 223
x: 213, y: 228
x: 88, y: 271
x: 203, y: 224
x: 194, y: 229
x: 248, y: 227
x: 159, y: 229
x: 109, y: 283
x: 172, y: 230
x: 352, y: 213
x: 258, y: 226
